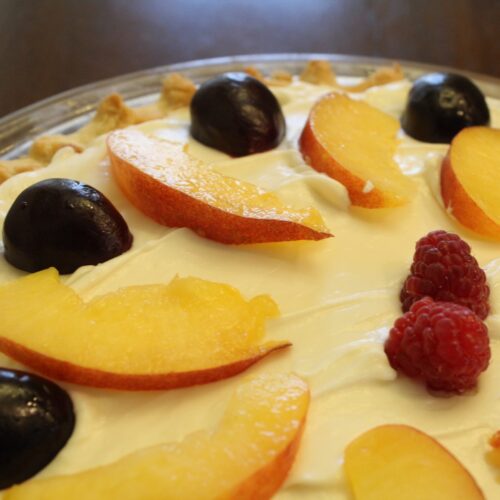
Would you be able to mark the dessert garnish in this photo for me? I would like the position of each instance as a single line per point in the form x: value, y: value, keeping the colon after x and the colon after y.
x: 493, y: 454
x: 320, y: 72
x: 247, y: 456
x: 175, y: 189
x: 396, y: 462
x: 277, y: 78
x: 470, y: 179
x: 149, y: 337
x: 111, y: 114
x: 237, y: 114
x: 64, y: 224
x: 444, y: 269
x: 439, y: 105
x: 354, y: 143
x: 36, y: 421
x: 444, y: 344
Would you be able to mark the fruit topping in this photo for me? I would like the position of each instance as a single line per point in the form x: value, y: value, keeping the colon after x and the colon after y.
x: 36, y: 421
x: 355, y: 143
x: 470, y: 176
x: 444, y: 344
x: 493, y: 454
x: 444, y: 269
x: 440, y: 105
x: 138, y: 338
x: 177, y: 190
x: 237, y: 114
x: 65, y: 224
x: 247, y: 456
x: 396, y: 462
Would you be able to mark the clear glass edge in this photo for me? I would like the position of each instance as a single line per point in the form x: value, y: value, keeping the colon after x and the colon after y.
x: 66, y: 111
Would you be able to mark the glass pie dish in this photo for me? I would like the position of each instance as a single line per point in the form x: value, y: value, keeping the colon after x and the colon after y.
x: 345, y: 302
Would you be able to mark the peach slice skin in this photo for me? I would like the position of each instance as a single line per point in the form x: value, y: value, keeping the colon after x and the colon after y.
x: 316, y: 155
x: 462, y: 206
x: 320, y: 144
x: 169, y: 205
x: 75, y: 374
x: 248, y: 455
x: 394, y: 462
x: 151, y: 337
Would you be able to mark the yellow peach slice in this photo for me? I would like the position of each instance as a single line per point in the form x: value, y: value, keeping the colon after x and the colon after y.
x: 148, y: 337
x: 355, y: 143
x: 470, y: 176
x: 395, y: 462
x: 177, y: 190
x: 246, y: 457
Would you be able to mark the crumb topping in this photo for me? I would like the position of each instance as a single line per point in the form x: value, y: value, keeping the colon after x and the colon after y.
x: 321, y: 73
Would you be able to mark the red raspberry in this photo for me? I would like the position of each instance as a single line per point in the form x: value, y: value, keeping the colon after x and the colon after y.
x: 444, y: 269
x: 444, y: 344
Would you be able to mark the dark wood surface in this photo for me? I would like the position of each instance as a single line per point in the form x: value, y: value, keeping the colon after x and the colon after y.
x: 47, y: 46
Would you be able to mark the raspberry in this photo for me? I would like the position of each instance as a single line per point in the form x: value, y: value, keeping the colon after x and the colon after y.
x: 444, y: 269
x: 442, y: 343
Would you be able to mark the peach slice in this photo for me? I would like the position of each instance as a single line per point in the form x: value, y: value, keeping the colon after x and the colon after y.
x: 175, y: 189
x: 355, y: 143
x: 248, y: 456
x: 470, y: 176
x: 392, y: 462
x: 148, y: 337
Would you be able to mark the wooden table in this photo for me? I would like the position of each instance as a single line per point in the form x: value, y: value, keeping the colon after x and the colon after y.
x: 47, y: 46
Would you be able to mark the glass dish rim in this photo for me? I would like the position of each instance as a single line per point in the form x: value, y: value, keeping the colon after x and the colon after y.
x: 70, y: 109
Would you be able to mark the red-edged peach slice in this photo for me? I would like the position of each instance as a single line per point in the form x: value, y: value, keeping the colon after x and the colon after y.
x: 395, y: 462
x: 470, y: 180
x: 355, y: 143
x: 188, y: 332
x: 177, y: 190
x: 246, y: 457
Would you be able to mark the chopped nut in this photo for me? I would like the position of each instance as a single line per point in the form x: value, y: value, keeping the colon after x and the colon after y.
x: 380, y: 77
x: 278, y: 78
x: 9, y: 168
x: 45, y: 147
x: 254, y: 72
x: 111, y: 114
x: 177, y: 91
x: 319, y: 73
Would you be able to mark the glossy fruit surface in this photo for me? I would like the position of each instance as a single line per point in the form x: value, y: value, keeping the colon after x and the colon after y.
x: 355, y: 143
x: 149, y: 337
x: 440, y: 105
x: 64, y: 224
x: 246, y: 456
x: 177, y: 190
x: 36, y: 421
x: 237, y: 114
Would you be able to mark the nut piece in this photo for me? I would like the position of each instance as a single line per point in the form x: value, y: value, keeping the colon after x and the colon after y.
x: 9, y: 168
x: 319, y: 73
x: 177, y: 91
x: 277, y: 78
x: 382, y: 76
x: 45, y: 147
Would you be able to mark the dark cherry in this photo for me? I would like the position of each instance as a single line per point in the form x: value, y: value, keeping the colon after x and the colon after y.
x: 36, y: 421
x: 237, y: 114
x: 64, y: 224
x: 440, y: 105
